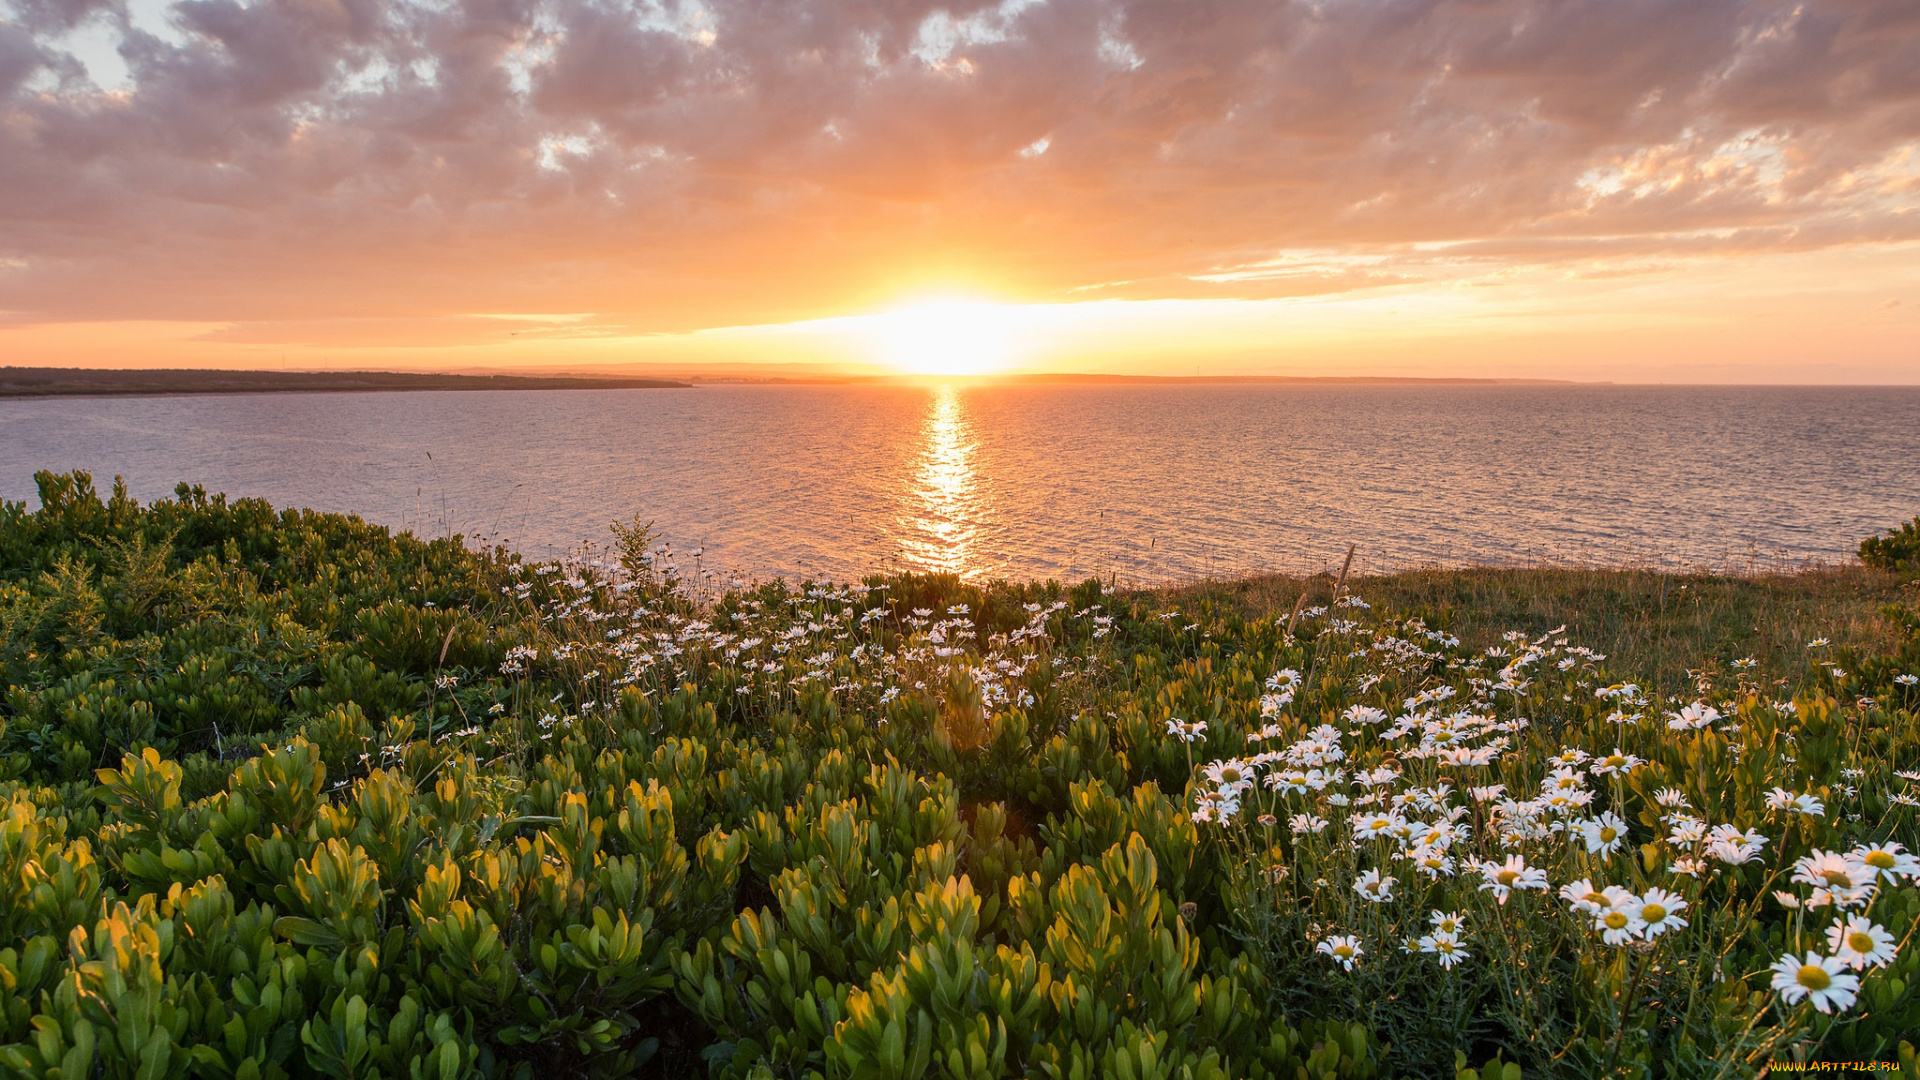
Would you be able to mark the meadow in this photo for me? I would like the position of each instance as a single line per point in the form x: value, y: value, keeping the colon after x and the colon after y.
x: 289, y: 795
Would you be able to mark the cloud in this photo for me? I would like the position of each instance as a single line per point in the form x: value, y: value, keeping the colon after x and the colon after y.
x: 679, y: 163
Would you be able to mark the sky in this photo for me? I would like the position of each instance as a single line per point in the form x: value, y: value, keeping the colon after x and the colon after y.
x: 1626, y: 190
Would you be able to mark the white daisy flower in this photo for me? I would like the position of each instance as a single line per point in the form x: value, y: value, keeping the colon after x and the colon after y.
x: 1344, y: 948
x: 1816, y: 978
x: 1860, y: 943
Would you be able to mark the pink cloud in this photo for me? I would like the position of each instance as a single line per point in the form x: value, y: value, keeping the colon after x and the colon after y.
x: 687, y: 164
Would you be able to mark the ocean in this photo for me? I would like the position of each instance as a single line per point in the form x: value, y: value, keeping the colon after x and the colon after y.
x: 1148, y: 484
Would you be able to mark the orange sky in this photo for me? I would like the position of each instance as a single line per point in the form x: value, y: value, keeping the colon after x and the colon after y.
x: 1635, y: 190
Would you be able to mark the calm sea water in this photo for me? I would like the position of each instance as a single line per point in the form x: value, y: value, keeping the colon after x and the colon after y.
x: 1150, y: 483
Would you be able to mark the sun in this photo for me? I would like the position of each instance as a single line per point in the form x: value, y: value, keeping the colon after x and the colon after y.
x: 946, y: 337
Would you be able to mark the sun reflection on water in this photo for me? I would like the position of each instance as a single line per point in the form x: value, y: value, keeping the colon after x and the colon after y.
x: 945, y: 514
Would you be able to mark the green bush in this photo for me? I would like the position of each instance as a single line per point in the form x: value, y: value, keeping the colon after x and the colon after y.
x: 286, y: 795
x: 1898, y: 550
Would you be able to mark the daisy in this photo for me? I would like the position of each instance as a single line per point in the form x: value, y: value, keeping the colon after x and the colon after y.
x: 1693, y: 717
x: 1827, y: 869
x: 1186, y: 732
x: 1344, y: 948
x: 1564, y: 780
x: 1231, y: 775
x: 1501, y: 879
x: 1617, y: 762
x: 1433, y: 862
x: 1887, y: 860
x: 1733, y: 854
x: 1782, y: 799
x: 1590, y: 899
x: 1618, y: 926
x: 1306, y: 823
x: 1684, y: 830
x: 1658, y: 912
x: 1374, y: 887
x: 1860, y: 943
x: 1815, y: 977
x: 1445, y: 948
x: 1604, y: 834
x: 1368, y: 826
x: 1451, y: 923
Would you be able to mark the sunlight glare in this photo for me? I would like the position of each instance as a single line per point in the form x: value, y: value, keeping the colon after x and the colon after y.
x: 945, y: 337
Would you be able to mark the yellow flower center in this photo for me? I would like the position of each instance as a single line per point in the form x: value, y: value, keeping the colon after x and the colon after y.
x: 1616, y: 920
x: 1653, y: 913
x: 1860, y: 943
x: 1880, y: 860
x: 1599, y: 899
x: 1838, y: 878
x: 1814, y: 977
x: 1507, y: 877
x: 1607, y: 834
x: 1343, y: 951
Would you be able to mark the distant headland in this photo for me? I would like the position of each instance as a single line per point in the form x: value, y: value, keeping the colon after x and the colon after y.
x: 26, y: 382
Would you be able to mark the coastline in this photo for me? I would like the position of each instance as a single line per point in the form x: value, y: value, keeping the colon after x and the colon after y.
x: 29, y: 382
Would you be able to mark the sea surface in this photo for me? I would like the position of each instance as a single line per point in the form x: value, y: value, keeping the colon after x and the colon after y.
x: 1149, y: 484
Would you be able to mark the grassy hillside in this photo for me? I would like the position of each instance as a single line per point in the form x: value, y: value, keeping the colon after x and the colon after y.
x: 287, y: 795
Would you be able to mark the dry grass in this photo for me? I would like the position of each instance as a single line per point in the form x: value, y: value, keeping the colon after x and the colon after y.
x: 1654, y: 626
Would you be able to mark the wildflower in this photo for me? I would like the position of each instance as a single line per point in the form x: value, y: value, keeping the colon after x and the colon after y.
x: 1344, y: 948
x: 1816, y: 978
x: 1231, y: 775
x: 1431, y: 861
x: 1448, y: 922
x: 1732, y: 853
x: 1218, y: 806
x: 1364, y: 714
x: 1886, y: 860
x: 1488, y: 793
x: 1861, y: 944
x: 1818, y: 643
x: 1670, y: 797
x: 1368, y: 826
x: 1658, y: 912
x: 1618, y: 925
x: 1604, y: 834
x: 1267, y: 821
x: 1306, y: 823
x: 1563, y: 780
x: 1186, y: 732
x: 1589, y: 899
x: 1907, y: 680
x: 1502, y: 878
x: 1689, y: 866
x: 1693, y: 717
x: 1619, y: 762
x: 1830, y: 870
x: 1445, y: 948
x: 1374, y: 887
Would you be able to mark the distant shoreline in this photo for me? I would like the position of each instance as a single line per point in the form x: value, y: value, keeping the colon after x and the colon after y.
x: 23, y: 382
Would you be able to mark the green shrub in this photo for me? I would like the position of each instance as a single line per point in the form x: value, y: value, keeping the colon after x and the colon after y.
x: 1899, y: 549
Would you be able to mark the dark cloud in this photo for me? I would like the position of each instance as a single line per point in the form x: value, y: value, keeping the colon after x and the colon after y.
x: 685, y: 163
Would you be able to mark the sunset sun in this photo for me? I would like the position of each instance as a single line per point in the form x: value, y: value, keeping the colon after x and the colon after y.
x: 946, y: 337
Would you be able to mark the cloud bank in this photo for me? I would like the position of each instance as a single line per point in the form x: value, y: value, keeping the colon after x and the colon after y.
x: 690, y: 164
